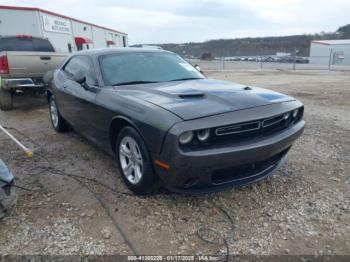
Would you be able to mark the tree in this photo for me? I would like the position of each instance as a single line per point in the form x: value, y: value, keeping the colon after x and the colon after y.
x: 207, y: 56
x: 344, y: 29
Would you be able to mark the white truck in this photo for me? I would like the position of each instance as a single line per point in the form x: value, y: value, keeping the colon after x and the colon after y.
x: 24, y: 60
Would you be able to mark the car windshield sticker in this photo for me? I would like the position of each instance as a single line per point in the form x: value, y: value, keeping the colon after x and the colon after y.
x: 188, y: 67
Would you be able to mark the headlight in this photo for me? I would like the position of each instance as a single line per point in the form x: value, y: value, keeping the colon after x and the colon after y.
x: 203, y: 134
x: 186, y: 137
x: 286, y: 116
x: 295, y: 113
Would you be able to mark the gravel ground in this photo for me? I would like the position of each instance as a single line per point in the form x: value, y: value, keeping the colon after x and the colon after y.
x: 303, y: 209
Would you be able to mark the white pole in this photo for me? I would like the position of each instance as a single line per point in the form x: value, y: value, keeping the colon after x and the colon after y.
x: 295, y: 58
x: 330, y: 59
x: 28, y: 152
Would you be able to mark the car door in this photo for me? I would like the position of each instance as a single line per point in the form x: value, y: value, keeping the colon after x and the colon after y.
x: 76, y: 103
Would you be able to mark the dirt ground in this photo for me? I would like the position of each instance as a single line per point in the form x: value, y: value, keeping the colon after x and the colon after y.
x: 304, y: 208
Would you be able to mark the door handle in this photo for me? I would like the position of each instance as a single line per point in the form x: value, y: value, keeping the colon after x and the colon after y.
x: 45, y: 58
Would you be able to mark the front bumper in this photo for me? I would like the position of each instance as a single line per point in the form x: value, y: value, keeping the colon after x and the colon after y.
x: 221, y: 168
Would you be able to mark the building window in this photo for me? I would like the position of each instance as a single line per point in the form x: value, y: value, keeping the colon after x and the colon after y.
x: 124, y: 41
x: 69, y: 47
x: 79, y: 47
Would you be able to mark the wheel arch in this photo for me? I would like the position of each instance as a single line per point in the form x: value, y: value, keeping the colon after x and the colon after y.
x: 116, y: 125
x: 49, y: 94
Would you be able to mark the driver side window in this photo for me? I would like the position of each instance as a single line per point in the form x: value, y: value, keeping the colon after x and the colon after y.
x: 83, y: 64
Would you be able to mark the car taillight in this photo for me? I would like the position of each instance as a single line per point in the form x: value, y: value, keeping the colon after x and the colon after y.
x: 4, y: 65
x: 24, y: 36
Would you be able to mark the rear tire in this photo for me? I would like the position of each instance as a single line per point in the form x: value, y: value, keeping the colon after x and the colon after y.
x: 6, y: 99
x: 134, y: 162
x: 57, y: 121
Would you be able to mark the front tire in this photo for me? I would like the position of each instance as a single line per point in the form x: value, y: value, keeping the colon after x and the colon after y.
x: 6, y: 99
x: 134, y: 162
x: 58, y: 123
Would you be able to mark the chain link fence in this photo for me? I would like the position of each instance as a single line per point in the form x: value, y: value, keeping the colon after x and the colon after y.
x: 287, y: 63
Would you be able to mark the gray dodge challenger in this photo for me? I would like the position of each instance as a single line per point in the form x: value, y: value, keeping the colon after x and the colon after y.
x: 168, y: 125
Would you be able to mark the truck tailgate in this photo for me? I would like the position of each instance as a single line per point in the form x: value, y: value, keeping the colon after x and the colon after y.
x: 33, y: 64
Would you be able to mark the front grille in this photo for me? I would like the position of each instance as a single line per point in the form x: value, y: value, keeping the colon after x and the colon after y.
x: 246, y: 171
x: 235, y: 129
x: 273, y: 120
x: 237, y: 133
x: 254, y: 129
x: 256, y: 126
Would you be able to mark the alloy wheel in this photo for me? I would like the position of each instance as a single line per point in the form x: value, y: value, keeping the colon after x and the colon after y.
x: 131, y: 159
x: 54, y: 113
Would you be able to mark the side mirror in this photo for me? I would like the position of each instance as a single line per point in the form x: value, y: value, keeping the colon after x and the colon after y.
x: 79, y: 77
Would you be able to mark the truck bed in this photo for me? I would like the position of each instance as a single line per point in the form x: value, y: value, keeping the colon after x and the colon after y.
x: 31, y: 64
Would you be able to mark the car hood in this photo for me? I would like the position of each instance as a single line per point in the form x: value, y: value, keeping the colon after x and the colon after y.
x: 204, y: 97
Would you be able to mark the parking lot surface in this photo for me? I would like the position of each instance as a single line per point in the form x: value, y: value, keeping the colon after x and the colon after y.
x: 78, y: 204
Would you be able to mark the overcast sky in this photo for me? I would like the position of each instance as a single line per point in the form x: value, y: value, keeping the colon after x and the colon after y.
x: 179, y: 21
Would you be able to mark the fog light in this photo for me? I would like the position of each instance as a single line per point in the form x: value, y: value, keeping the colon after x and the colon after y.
x: 295, y: 113
x: 203, y: 134
x: 186, y: 137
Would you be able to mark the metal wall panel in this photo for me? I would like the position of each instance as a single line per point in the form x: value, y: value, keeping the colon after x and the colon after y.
x: 19, y: 22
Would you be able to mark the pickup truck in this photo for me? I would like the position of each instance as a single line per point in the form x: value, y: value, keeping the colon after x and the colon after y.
x: 24, y: 60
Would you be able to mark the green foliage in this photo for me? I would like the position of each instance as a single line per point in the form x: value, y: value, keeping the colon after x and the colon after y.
x: 344, y: 29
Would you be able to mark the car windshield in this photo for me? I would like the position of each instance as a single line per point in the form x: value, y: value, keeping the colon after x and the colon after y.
x: 146, y: 67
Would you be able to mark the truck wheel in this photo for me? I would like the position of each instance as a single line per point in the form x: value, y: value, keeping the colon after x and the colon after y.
x: 6, y: 99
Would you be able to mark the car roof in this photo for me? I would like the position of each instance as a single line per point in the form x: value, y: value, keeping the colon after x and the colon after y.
x: 104, y: 51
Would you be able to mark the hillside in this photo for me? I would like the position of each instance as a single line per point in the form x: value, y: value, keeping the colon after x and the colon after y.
x: 255, y: 46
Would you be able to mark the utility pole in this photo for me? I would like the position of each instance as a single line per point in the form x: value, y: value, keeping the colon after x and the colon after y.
x: 223, y: 58
x: 330, y: 59
x: 295, y: 57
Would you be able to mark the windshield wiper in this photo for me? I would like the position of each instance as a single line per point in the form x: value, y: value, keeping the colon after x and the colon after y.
x: 187, y: 78
x: 134, y: 83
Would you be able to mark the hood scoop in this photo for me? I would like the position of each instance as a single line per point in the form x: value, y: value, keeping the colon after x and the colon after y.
x: 191, y: 94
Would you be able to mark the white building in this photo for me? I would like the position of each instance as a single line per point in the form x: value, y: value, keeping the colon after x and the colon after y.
x: 66, y: 34
x: 330, y: 52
